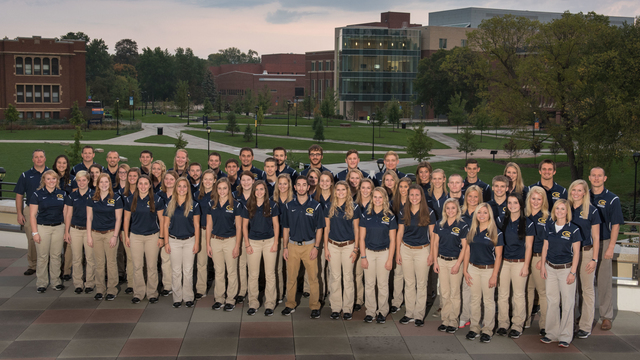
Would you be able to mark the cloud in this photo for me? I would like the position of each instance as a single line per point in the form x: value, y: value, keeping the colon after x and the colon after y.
x: 286, y: 17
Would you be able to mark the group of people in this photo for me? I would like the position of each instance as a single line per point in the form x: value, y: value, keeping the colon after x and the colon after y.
x: 376, y: 241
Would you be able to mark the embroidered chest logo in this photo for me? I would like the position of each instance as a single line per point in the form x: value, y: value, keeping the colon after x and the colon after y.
x: 309, y: 212
x: 111, y: 202
x: 542, y: 221
x: 455, y: 231
x: 602, y: 203
x: 60, y: 197
x: 385, y: 220
x: 555, y: 195
x: 566, y: 235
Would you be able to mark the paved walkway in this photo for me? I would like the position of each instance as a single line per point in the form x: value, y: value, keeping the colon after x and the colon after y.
x: 66, y: 325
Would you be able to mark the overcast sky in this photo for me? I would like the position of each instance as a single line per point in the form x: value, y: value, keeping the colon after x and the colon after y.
x: 278, y: 26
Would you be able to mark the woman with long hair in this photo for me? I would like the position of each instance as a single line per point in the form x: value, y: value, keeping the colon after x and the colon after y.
x: 354, y: 179
x: 415, y: 226
x: 142, y: 211
x: 223, y: 236
x: 537, y: 210
x: 158, y: 169
x: 560, y: 255
x: 203, y: 196
x: 362, y: 199
x: 95, y: 170
x: 181, y: 162
x: 68, y: 184
x: 282, y: 194
x: 398, y: 202
x: 325, y: 184
x: 166, y: 193
x: 518, y: 232
x: 516, y: 184
x: 378, y: 229
x: 104, y: 218
x: 75, y: 233
x: 46, y: 207
x: 132, y: 182
x: 482, y: 262
x: 261, y: 231
x: 323, y: 196
x: 438, y: 191
x: 182, y: 241
x: 242, y: 195
x: 314, y: 178
x: 448, y: 248
x: 423, y: 178
x: 586, y: 217
x: 121, y: 181
x: 341, y: 250
x: 390, y: 184
x: 472, y: 198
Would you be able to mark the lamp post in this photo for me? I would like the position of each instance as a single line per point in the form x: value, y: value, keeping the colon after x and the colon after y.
x: 208, y: 133
x: 533, y: 127
x: 133, y: 107
x: 117, y: 116
x: 256, y: 119
x: 295, y: 105
x: 3, y: 173
x: 188, y: 103
x: 636, y: 158
x: 288, y: 108
x: 373, y: 134
x: 422, y: 111
x: 142, y: 98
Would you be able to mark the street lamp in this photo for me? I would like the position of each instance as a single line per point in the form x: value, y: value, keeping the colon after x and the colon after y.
x: 296, y: 106
x: 422, y: 111
x: 117, y: 116
x: 208, y: 133
x: 133, y: 107
x: 256, y: 117
x: 636, y: 158
x: 142, y: 98
x: 3, y: 173
x: 288, y: 108
x: 188, y: 103
x: 533, y: 127
x: 373, y: 134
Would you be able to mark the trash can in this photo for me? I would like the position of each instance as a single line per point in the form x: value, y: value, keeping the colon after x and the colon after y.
x: 404, y: 125
x: 159, y: 131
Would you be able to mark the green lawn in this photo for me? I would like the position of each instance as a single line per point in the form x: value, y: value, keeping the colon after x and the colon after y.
x: 157, y: 139
x: 63, y: 134
x: 490, y: 142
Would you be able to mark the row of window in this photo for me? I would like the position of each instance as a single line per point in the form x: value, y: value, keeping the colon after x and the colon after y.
x: 37, y: 66
x: 37, y: 93
x: 225, y: 92
x: 317, y: 65
x: 442, y: 44
x: 316, y: 87
x: 39, y: 115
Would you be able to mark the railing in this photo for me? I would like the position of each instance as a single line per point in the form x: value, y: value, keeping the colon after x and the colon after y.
x: 631, y: 241
x: 4, y: 189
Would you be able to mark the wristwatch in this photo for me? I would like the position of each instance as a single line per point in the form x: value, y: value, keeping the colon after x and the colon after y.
x: 596, y: 260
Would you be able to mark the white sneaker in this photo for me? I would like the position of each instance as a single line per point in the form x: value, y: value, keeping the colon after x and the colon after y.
x: 437, y: 313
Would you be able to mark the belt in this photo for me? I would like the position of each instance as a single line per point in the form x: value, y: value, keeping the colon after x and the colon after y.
x: 587, y: 248
x: 514, y: 260
x: 304, y: 242
x: 102, y: 232
x: 79, y: 227
x: 446, y: 258
x: 414, y: 247
x: 179, y: 238
x: 203, y: 227
x: 341, y: 243
x: 561, y: 266
x: 56, y: 224
x: 385, y: 249
x: 537, y: 254
x: 483, y: 266
x: 220, y: 237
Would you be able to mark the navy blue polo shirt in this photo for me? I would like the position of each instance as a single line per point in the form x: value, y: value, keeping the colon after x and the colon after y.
x: 257, y: 173
x: 204, y: 205
x: 515, y: 248
x: 104, y: 212
x: 540, y: 226
x: 610, y: 210
x: 377, y: 179
x: 437, y: 205
x: 166, y: 198
x: 425, y: 190
x: 287, y: 170
x: 481, y: 249
x: 340, y: 228
x: 114, y: 176
x: 28, y: 182
x: 78, y: 203
x: 378, y: 226
x: 303, y: 220
x: 81, y: 166
x: 50, y: 206
x: 499, y: 210
x: 467, y: 217
x: 556, y: 192
x: 157, y: 188
x: 415, y: 235
x: 486, y: 189
x: 342, y: 175
x: 325, y: 202
x: 560, y: 249
x: 261, y: 227
x: 143, y: 221
x: 224, y: 218
x: 450, y: 238
x: 219, y: 174
x: 68, y: 185
x: 584, y: 223
x: 238, y: 195
x: 181, y: 226
x: 194, y: 188
x: 322, y: 169
x: 271, y: 187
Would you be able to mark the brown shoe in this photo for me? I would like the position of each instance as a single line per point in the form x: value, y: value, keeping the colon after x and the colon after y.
x: 606, y: 324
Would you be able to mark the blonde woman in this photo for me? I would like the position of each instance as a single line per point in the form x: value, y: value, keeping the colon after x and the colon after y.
x: 166, y: 192
x: 482, y: 262
x: 132, y: 182
x: 158, y: 169
x: 181, y: 162
x: 203, y: 196
x: 438, y: 191
x: 537, y: 210
x: 354, y: 179
x: 472, y: 198
x: 512, y: 171
x: 323, y: 196
x: 363, y: 199
x: 283, y: 193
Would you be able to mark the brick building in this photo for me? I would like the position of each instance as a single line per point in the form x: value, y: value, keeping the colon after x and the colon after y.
x: 41, y: 77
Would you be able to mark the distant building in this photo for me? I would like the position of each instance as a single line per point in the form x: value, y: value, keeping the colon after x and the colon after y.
x: 41, y: 77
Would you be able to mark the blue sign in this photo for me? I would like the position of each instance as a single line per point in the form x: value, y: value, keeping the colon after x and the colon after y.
x: 130, y: 100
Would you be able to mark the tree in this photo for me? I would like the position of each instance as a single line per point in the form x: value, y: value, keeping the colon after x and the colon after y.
x: 126, y: 52
x: 457, y: 114
x: 329, y: 104
x: 248, y: 102
x: 125, y: 70
x: 511, y: 148
x: 318, y: 133
x: 481, y: 119
x: 98, y: 61
x: 157, y: 73
x: 232, y: 124
x: 419, y: 144
x: 123, y: 87
x: 536, y: 146
x: 260, y: 116
x: 76, y: 149
x: 209, y: 87
x: 380, y: 118
x: 264, y: 99
x: 76, y: 36
x: 191, y: 69
x: 237, y: 105
x: 233, y: 55
x: 466, y: 142
x: 11, y: 115
x: 392, y: 110
x: 248, y: 133
x: 181, y: 143
x: 219, y: 106
x: 207, y: 108
x: 181, y: 97
x: 307, y: 102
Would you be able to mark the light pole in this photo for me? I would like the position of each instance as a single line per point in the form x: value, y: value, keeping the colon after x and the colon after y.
x: 256, y: 127
x: 133, y: 108
x: 3, y: 172
x: 422, y: 111
x: 295, y: 105
x: 142, y: 98
x: 188, y: 103
x: 208, y: 133
x: 636, y: 158
x: 533, y: 127
x: 288, y: 108
x: 117, y: 116
x: 373, y: 134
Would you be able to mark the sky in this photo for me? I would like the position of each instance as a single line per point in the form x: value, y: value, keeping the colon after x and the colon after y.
x: 276, y: 26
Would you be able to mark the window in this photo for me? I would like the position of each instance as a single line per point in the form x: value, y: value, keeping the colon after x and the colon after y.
x: 36, y: 66
x: 54, y: 66
x: 313, y: 66
x: 320, y: 89
x: 313, y: 87
x: 20, y: 93
x: 463, y: 43
x: 29, y: 115
x: 55, y: 97
x: 29, y: 93
x: 56, y: 115
x: 443, y: 43
x: 47, y: 93
x: 38, y: 115
x: 38, y: 93
x: 328, y: 65
x: 27, y: 66
x: 19, y: 67
x: 326, y: 84
x: 47, y: 115
x: 319, y: 65
x: 45, y: 66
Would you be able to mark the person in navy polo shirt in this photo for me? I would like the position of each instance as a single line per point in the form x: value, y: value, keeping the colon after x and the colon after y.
x: 270, y: 177
x: 448, y: 248
x: 323, y: 196
x: 182, y: 241
x: 378, y: 227
x: 125, y: 251
x: 363, y: 199
x: 512, y: 171
x: 146, y: 158
x: 415, y: 226
x: 316, y: 153
x: 455, y: 187
x: 68, y: 184
x: 95, y: 170
x: 499, y: 186
x: 472, y: 198
x: 560, y: 255
x: 195, y: 175
x: 241, y: 195
x: 438, y: 192
x: 104, y: 219
x: 25, y: 187
x: 391, y: 161
x: 166, y: 193
x: 46, y: 207
x: 75, y: 233
x: 283, y: 194
x: 88, y: 153
x: 423, y: 178
x: 342, y: 217
x: 121, y: 181
x: 181, y: 162
x: 214, y: 162
x: 113, y: 160
x: 158, y: 169
x: 142, y: 211
x: 352, y: 159
x: 246, y: 158
x: 555, y: 192
x: 280, y: 154
x: 232, y: 167
x: 302, y: 228
x: 482, y: 262
x: 223, y: 235
x: 203, y: 197
x: 472, y: 168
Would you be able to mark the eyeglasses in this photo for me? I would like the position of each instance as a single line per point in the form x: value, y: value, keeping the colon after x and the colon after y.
x: 315, y: 155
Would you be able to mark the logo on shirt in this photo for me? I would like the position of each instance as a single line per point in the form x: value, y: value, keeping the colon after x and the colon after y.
x: 455, y: 230
x: 555, y: 195
x: 111, y: 202
x: 229, y: 207
x: 582, y: 214
x: 60, y: 197
x: 566, y: 235
x: 602, y: 203
x: 542, y: 221
x: 310, y: 211
x: 255, y: 176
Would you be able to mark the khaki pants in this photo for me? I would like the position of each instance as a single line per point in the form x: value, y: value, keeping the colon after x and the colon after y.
x: 78, y: 244
x: 68, y: 258
x: 604, y: 281
x: 585, y: 304
x: 182, y: 268
x: 376, y: 274
x: 482, y: 293
x: 320, y: 270
x: 243, y: 276
x: 465, y: 314
x: 510, y: 278
x: 167, y: 271
x: 130, y: 267
x: 536, y: 283
x: 359, y: 282
x: 49, y: 255
x: 341, y: 270
x: 32, y: 253
x: 297, y: 254
x: 222, y: 251
x: 558, y: 292
x: 201, y: 265
x: 103, y: 253
x: 280, y: 270
x: 449, y: 292
x: 416, y: 272
x: 398, y: 285
x: 122, y: 258
x: 145, y: 246
x: 262, y: 250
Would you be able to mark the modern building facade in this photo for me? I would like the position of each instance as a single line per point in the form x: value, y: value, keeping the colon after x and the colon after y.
x: 42, y: 77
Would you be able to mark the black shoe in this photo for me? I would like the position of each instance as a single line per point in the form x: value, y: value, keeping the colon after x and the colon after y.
x: 545, y: 340
x: 471, y: 335
x: 58, y: 287
x: 315, y: 314
x: 121, y: 279
x: 502, y: 332
x: 251, y: 311
x: 166, y: 292
x: 189, y: 304
x: 199, y: 296
x: 88, y: 290
x: 229, y: 307
x: 543, y: 333
x: 217, y: 306
x: 29, y: 272
x: 268, y: 312
x: 41, y: 290
x: 405, y: 320
x: 98, y: 297
x: 563, y: 344
x: 442, y: 328
x: 357, y: 307
x: 135, y: 300
x: 153, y: 300
x: 110, y: 297
x: 419, y: 323
x: 177, y: 304
x: 451, y: 329
x: 381, y: 319
x: 393, y: 309
x: 347, y: 316
x: 78, y: 290
x: 239, y: 299
x: 128, y: 290
x: 485, y: 338
x: 66, y: 278
x: 288, y: 311
x: 581, y: 334
x: 368, y: 319
x: 535, y: 309
x: 335, y: 315
x: 514, y: 334
x: 305, y: 294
